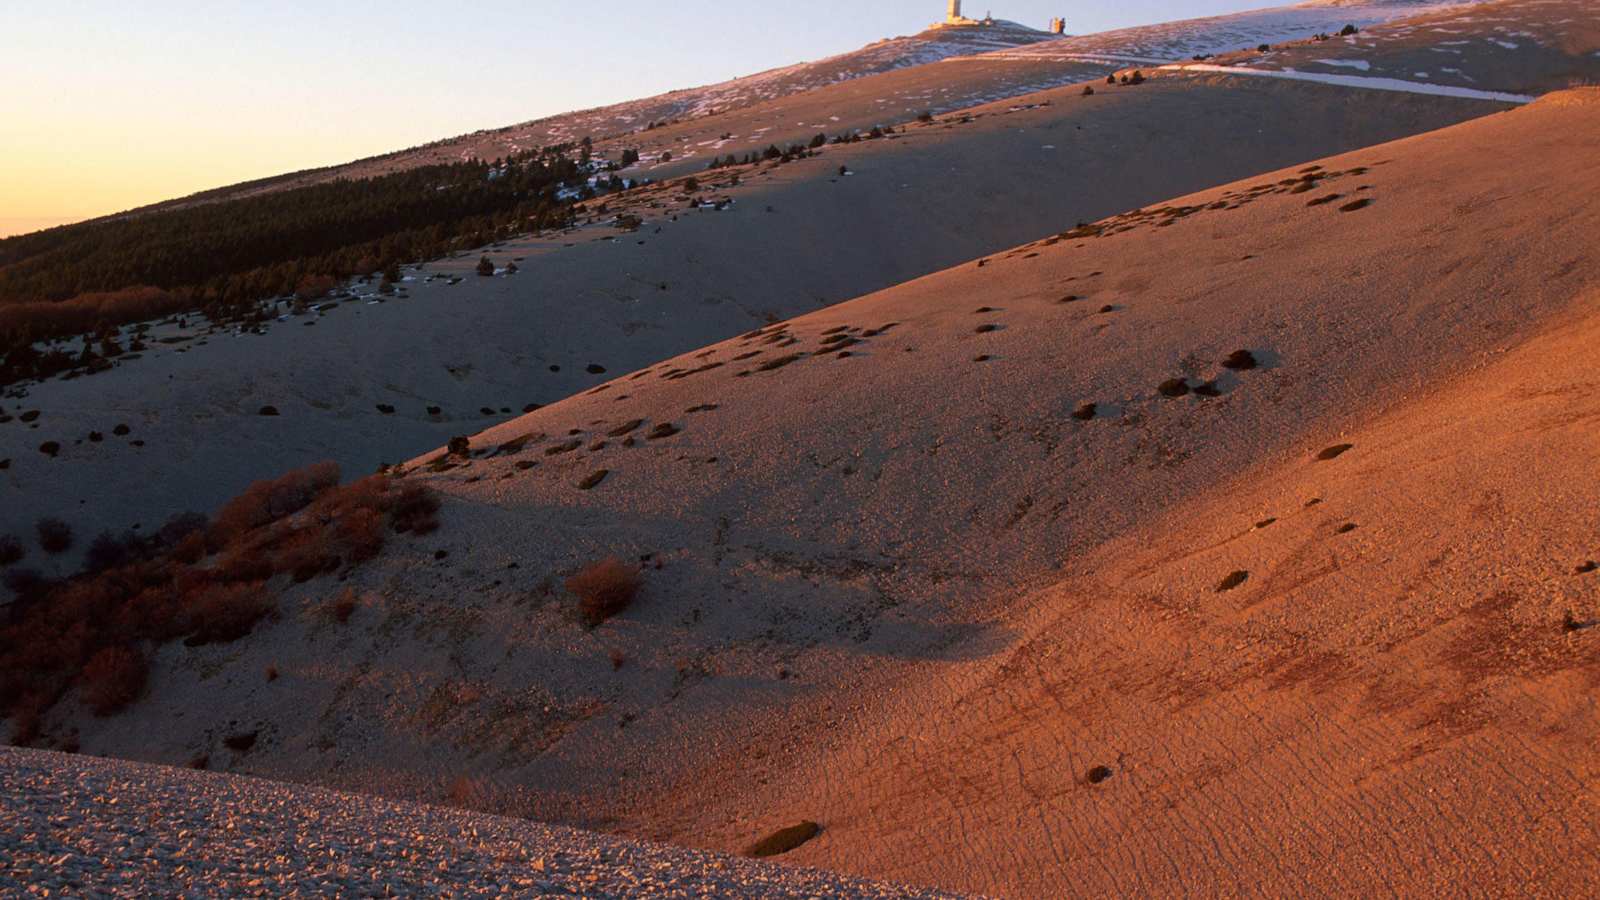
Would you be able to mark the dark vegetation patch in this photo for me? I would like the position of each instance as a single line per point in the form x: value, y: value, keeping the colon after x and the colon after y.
x: 625, y: 428
x: 783, y: 840
x: 11, y: 550
x: 50, y: 448
x: 268, y: 410
x: 1240, y: 361
x: 230, y: 257
x: 202, y: 581
x: 665, y: 429
x: 1354, y: 205
x: 1098, y: 774
x: 593, y: 479
x: 55, y: 536
x: 1346, y: 528
x: 1267, y: 521
x: 567, y: 447
x: 343, y: 606
x: 1085, y: 412
x: 1334, y: 452
x: 1208, y: 389
x: 113, y: 678
x: 242, y: 742
x: 1324, y: 200
x: 986, y: 328
x: 604, y: 589
x: 1174, y: 387
x: 1582, y: 569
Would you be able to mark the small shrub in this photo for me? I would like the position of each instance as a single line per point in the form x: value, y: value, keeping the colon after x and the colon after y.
x: 55, y: 536
x: 223, y: 613
x: 415, y: 510
x: 485, y: 267
x: 265, y: 502
x: 783, y: 840
x: 306, y: 553
x: 11, y: 550
x: 1334, y: 452
x: 26, y: 583
x: 361, y: 532
x: 181, y: 526
x: 272, y: 673
x: 108, y: 551
x: 604, y: 589
x: 1174, y: 387
x: 114, y: 678
x: 461, y: 445
x: 343, y: 606
x: 241, y: 743
x: 1240, y: 360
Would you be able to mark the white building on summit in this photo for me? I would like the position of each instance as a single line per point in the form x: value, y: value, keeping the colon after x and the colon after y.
x: 954, y: 18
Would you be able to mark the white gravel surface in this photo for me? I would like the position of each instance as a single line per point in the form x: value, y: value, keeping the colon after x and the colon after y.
x: 81, y: 826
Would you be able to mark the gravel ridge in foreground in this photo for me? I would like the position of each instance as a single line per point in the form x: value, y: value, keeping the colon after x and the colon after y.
x: 78, y: 826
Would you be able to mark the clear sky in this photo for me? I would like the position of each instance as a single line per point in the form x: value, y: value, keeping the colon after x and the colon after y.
x: 110, y: 104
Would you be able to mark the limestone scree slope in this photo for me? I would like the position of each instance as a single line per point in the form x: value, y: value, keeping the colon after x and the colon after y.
x: 1234, y: 544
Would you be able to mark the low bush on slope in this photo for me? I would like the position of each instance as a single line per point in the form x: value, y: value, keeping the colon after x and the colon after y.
x: 206, y: 583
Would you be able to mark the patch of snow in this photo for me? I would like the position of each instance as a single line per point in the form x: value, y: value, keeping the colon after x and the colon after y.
x: 1361, y: 64
x: 1361, y: 81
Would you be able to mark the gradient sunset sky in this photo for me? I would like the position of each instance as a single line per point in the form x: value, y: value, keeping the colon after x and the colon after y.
x: 111, y: 105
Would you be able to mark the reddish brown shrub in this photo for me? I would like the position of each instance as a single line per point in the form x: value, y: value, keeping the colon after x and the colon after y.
x: 604, y: 589
x: 268, y: 501
x: 306, y: 553
x: 343, y: 606
x: 361, y: 532
x: 189, y: 549
x: 114, y: 678
x: 315, y: 287
x: 222, y: 613
x: 415, y: 509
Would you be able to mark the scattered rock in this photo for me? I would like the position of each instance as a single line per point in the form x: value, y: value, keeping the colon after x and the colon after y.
x: 593, y: 479
x: 1085, y: 412
x: 1334, y: 452
x: 1098, y: 774
x: 268, y: 410
x: 1174, y: 387
x: 1233, y: 580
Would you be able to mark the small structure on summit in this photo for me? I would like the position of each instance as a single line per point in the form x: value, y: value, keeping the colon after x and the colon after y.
x: 954, y: 19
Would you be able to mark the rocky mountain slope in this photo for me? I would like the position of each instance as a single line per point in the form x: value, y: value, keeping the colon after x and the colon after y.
x: 1070, y: 569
